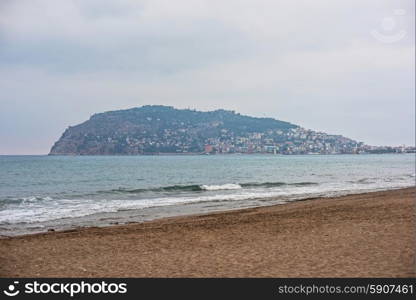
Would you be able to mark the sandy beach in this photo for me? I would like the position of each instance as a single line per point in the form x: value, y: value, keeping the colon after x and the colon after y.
x: 364, y: 235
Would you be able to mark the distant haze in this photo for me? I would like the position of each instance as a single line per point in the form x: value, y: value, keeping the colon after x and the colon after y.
x: 343, y: 67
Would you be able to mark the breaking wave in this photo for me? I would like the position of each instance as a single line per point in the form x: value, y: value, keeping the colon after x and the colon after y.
x: 206, y: 187
x: 228, y: 186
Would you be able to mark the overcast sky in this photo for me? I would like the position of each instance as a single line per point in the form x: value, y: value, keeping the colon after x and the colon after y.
x: 343, y: 67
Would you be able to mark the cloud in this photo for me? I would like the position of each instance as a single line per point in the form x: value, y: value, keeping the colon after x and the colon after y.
x: 312, y: 63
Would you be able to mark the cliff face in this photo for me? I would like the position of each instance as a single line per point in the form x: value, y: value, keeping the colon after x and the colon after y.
x: 162, y: 129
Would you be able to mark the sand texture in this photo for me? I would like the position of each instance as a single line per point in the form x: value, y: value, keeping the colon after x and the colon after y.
x: 365, y: 235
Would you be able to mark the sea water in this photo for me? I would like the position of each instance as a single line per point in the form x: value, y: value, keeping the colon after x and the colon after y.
x: 42, y: 192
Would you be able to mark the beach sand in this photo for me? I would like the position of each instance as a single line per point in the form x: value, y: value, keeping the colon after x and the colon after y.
x: 365, y: 235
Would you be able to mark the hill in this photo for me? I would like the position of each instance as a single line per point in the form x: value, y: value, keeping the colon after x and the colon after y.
x: 164, y: 129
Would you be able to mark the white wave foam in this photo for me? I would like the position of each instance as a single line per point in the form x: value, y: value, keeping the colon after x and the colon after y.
x: 34, y: 199
x: 32, y: 210
x: 228, y: 186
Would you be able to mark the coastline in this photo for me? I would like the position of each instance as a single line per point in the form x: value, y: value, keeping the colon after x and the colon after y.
x: 361, y: 235
x: 154, y: 213
x: 205, y: 153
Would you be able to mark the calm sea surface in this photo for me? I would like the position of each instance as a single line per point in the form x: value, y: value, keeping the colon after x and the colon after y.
x: 40, y: 192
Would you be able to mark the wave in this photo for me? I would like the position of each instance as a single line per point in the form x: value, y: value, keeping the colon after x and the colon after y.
x: 37, y: 209
x: 363, y: 181
x: 33, y: 200
x: 206, y: 187
x: 264, y: 184
x: 23, y: 200
x: 276, y: 184
x: 171, y: 188
x: 372, y: 180
x: 227, y: 186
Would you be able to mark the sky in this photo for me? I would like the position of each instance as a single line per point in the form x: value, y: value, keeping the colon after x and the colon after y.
x: 342, y: 67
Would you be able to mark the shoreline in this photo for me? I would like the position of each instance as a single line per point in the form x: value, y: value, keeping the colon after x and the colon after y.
x: 213, y: 154
x: 360, y: 235
x: 199, y: 154
x: 155, y: 213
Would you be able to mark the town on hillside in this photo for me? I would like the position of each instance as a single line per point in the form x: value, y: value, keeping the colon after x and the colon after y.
x: 161, y: 129
x: 292, y: 141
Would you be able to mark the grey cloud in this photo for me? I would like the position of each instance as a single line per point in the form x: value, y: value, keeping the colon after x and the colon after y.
x: 314, y: 63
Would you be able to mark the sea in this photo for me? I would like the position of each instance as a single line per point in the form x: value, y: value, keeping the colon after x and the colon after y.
x: 41, y: 193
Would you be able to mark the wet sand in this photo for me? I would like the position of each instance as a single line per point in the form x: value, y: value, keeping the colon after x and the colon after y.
x: 365, y: 235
